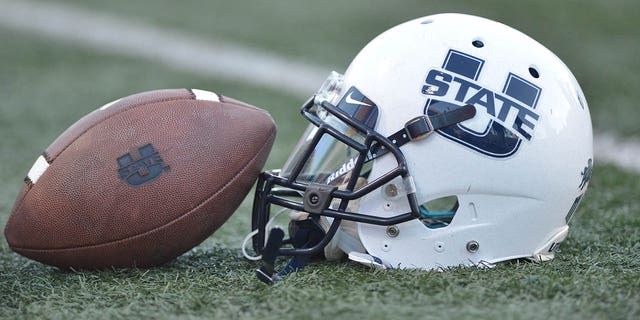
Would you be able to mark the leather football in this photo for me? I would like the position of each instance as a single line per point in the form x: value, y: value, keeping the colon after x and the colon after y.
x: 140, y: 181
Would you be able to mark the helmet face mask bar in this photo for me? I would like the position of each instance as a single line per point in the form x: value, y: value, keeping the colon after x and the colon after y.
x: 266, y: 194
x: 315, y: 192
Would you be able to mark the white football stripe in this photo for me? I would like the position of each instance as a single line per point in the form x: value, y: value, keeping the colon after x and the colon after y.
x: 38, y: 168
x: 205, y: 95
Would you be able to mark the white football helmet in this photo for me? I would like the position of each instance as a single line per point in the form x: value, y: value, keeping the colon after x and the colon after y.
x: 445, y: 109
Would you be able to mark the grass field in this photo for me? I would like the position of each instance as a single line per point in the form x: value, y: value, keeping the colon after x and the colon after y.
x: 45, y: 86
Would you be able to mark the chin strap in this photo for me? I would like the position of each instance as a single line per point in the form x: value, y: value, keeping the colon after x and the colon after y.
x: 422, y: 126
x: 304, y: 234
x: 269, y: 255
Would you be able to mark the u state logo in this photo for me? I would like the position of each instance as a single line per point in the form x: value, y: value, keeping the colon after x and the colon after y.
x: 510, y: 115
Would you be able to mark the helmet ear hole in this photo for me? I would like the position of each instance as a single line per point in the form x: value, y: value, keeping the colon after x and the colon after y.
x: 533, y: 71
x: 448, y: 203
x: 438, y: 213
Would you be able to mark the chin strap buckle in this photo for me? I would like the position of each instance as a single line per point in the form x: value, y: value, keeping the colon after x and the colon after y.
x: 423, y: 126
x: 418, y: 128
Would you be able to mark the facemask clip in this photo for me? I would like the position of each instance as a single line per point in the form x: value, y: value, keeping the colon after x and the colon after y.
x: 317, y: 197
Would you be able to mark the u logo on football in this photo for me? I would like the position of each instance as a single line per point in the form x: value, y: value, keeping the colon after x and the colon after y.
x: 141, y: 167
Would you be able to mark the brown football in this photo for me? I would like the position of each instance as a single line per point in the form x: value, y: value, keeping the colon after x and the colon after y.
x: 140, y: 180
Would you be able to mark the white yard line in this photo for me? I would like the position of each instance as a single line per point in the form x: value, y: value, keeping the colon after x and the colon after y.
x: 625, y: 154
x: 190, y: 53
x: 187, y: 52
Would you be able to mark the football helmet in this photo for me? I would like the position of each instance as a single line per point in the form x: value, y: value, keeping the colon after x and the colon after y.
x: 451, y: 140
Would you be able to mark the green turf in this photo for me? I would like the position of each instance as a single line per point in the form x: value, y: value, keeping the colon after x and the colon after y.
x: 596, y: 275
x: 45, y: 87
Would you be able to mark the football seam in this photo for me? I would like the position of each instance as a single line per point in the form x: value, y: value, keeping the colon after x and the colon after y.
x: 248, y: 107
x: 193, y: 95
x: 271, y: 135
x: 50, y: 160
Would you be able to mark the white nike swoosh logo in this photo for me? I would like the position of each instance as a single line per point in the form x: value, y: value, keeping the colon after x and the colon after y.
x: 354, y: 101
